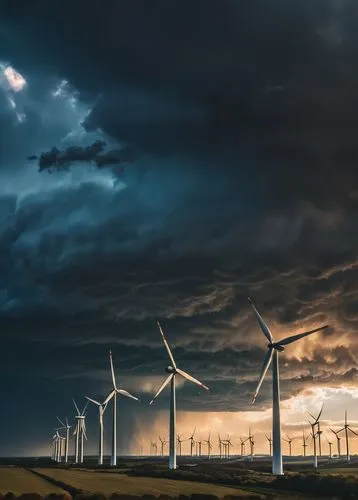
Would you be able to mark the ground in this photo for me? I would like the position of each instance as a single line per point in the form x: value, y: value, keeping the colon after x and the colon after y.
x: 19, y: 480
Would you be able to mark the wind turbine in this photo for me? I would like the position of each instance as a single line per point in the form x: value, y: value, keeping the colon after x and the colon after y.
x: 314, y: 435
x: 173, y: 371
x: 269, y: 439
x: 67, y: 438
x: 346, y: 428
x: 180, y: 441
x: 221, y: 444
x: 304, y: 442
x: 101, y: 409
x: 208, y: 442
x: 252, y: 445
x: 113, y: 394
x: 228, y: 444
x: 198, y: 448
x: 163, y: 442
x: 272, y: 355
x: 242, y: 444
x: 56, y: 443
x: 289, y: 441
x: 192, y: 442
x: 338, y: 442
x: 330, y: 448
x: 153, y: 448
x: 80, y: 432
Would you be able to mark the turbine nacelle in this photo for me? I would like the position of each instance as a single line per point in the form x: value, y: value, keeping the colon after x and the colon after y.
x: 278, y: 347
x: 170, y: 369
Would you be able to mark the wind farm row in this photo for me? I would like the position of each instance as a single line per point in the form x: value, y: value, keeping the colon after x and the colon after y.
x: 225, y: 448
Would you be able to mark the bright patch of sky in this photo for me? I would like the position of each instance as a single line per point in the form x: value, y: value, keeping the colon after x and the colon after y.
x: 59, y: 116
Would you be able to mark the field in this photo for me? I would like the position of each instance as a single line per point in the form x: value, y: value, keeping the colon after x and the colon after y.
x: 20, y: 481
x: 106, y: 482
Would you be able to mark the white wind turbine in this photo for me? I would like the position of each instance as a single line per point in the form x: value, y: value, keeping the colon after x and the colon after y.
x: 113, y: 395
x: 80, y: 432
x: 173, y: 370
x: 347, y: 428
x: 101, y: 409
x: 67, y: 428
x: 272, y: 355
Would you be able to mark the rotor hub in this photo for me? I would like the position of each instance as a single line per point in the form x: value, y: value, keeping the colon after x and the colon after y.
x: 170, y: 369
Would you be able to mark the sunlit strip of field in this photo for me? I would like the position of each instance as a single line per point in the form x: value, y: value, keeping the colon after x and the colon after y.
x: 107, y: 483
x: 20, y: 481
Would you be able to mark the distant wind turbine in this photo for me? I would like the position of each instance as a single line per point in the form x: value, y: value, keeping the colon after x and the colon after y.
x: 347, y: 428
x: 114, y: 393
x: 315, y: 435
x: 163, y: 442
x: 80, y: 432
x: 192, y: 442
x: 269, y: 439
x: 101, y: 409
x: 67, y: 438
x: 173, y: 371
x: 304, y: 442
x: 338, y: 442
x: 289, y: 441
x: 208, y: 442
x: 272, y: 355
x: 242, y: 444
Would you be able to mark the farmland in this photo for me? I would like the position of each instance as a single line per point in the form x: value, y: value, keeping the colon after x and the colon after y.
x: 19, y: 480
x: 108, y: 483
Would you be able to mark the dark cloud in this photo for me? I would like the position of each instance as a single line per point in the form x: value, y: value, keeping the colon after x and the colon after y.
x: 55, y: 159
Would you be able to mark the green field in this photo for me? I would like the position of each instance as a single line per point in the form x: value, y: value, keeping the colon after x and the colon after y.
x: 106, y: 482
x: 20, y: 481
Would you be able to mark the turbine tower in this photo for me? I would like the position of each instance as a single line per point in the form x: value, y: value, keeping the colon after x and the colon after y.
x: 304, y: 442
x: 101, y: 409
x: 67, y: 438
x: 272, y: 355
x: 338, y: 442
x: 173, y: 371
x: 315, y: 435
x: 114, y: 393
x: 347, y: 428
x: 269, y: 439
x: 80, y: 432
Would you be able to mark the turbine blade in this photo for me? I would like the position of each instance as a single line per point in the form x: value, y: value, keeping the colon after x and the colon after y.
x: 340, y: 430
x: 109, y: 397
x: 354, y: 432
x: 85, y: 408
x: 78, y: 411
x: 61, y: 422
x: 265, y: 367
x: 345, y: 418
x: 93, y: 401
x: 164, y: 384
x: 320, y: 413
x: 126, y: 394
x: 112, y: 370
x: 167, y: 345
x: 293, y: 338
x: 192, y: 379
x: 265, y: 329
